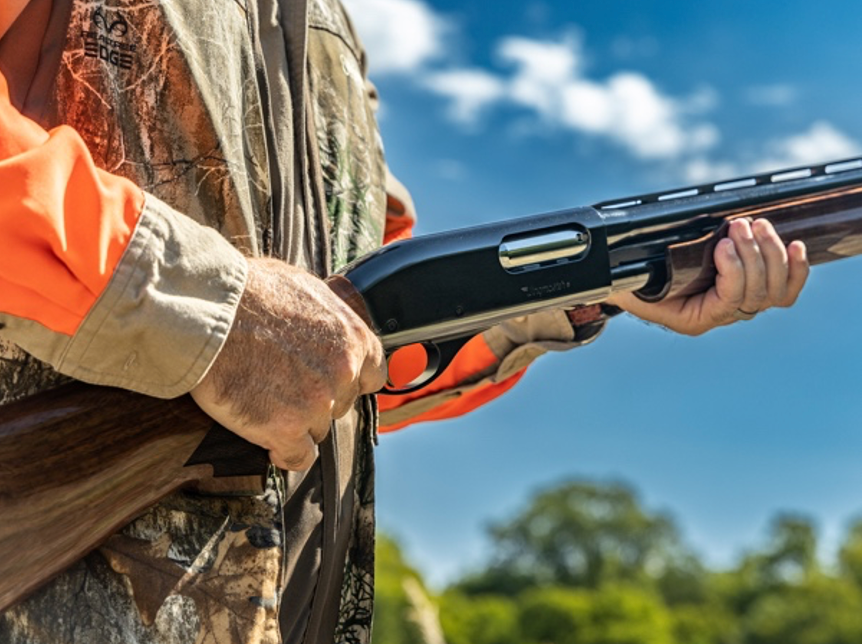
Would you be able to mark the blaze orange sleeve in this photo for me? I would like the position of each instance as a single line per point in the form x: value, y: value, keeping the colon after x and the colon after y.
x: 64, y: 224
x: 399, y: 223
x: 473, y: 360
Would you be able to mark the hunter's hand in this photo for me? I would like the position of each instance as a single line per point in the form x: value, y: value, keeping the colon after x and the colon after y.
x: 755, y: 272
x: 296, y: 358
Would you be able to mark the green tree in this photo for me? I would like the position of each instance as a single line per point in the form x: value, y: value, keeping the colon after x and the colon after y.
x: 483, y: 619
x: 850, y: 554
x: 788, y: 558
x: 684, y: 580
x: 782, y: 596
x: 705, y: 623
x: 584, y: 563
x: 817, y: 610
x: 578, y: 534
x: 555, y: 614
x: 614, y: 614
x: 403, y: 612
x: 629, y: 615
x: 792, y: 553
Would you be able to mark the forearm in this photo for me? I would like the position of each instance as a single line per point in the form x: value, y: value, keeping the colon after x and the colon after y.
x: 104, y: 283
x: 492, y: 363
x: 489, y: 364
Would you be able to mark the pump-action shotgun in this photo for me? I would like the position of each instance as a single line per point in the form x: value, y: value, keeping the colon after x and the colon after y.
x: 78, y: 462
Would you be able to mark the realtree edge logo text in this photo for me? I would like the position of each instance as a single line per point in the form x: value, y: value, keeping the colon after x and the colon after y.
x: 98, y: 42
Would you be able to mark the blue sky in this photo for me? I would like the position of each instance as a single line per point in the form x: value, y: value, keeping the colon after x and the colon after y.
x: 543, y: 106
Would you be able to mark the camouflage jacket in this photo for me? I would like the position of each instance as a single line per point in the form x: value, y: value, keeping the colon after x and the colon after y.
x: 253, y: 118
x: 194, y: 103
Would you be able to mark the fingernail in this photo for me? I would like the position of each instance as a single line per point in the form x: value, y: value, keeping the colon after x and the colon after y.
x: 740, y: 225
x: 760, y: 227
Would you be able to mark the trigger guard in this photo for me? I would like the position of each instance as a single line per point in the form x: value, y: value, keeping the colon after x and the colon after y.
x: 438, y: 357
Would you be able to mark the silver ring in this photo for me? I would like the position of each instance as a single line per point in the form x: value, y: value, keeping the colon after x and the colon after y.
x: 739, y: 314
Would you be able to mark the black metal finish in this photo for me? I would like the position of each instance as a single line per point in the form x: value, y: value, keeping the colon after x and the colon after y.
x: 438, y: 289
x: 445, y: 286
x: 642, y: 228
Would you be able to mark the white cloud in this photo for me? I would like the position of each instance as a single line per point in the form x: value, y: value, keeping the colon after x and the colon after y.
x: 470, y: 90
x: 822, y: 142
x: 704, y: 170
x: 627, y: 107
x: 586, y: 106
x: 541, y: 65
x: 399, y: 35
x: 648, y: 123
x: 548, y: 79
x: 542, y: 71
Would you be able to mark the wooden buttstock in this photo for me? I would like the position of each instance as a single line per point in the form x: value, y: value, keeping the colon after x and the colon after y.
x: 829, y: 224
x: 79, y: 462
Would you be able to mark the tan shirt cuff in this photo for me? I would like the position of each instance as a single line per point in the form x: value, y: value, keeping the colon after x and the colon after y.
x: 163, y: 317
x: 515, y: 343
x: 519, y: 341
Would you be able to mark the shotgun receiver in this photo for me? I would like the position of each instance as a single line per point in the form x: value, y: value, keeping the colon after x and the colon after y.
x: 440, y: 290
x: 79, y: 461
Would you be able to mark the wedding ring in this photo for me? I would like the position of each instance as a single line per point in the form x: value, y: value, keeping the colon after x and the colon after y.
x: 739, y: 314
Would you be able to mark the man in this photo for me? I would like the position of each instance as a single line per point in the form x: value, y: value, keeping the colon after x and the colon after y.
x: 176, y: 177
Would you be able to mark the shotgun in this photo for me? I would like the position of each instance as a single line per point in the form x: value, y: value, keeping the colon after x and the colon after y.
x: 78, y: 462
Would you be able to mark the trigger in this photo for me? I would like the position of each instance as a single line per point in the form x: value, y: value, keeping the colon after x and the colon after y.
x: 437, y: 358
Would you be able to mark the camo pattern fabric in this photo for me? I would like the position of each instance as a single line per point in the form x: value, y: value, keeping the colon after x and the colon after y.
x: 354, y: 178
x: 192, y: 569
x: 351, y: 151
x: 165, y: 92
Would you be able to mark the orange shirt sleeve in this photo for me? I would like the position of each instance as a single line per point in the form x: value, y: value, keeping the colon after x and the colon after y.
x: 64, y: 224
x: 473, y: 359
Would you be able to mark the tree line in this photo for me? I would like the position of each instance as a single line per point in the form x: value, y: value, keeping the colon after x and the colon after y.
x: 586, y: 563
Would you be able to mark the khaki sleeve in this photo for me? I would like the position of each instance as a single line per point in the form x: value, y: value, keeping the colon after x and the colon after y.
x: 163, y: 317
x: 491, y: 363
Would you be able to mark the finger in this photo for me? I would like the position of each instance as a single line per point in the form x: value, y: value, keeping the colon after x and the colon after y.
x: 729, y: 283
x: 373, y: 377
x: 291, y: 433
x: 298, y: 459
x: 797, y: 273
x: 756, y: 293
x: 346, y: 400
x: 319, y: 430
x: 775, y: 258
x: 373, y: 374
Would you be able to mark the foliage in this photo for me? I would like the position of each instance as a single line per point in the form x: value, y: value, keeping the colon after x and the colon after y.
x: 819, y: 610
x: 850, y: 555
x: 557, y: 615
x: 585, y: 563
x: 485, y: 619
x: 583, y: 535
x: 707, y: 623
x: 394, y: 622
x: 610, y: 615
